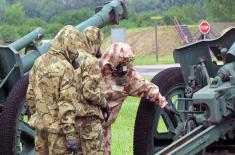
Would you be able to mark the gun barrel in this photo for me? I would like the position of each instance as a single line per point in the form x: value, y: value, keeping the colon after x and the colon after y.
x: 111, y: 13
x: 28, y: 59
x: 27, y: 39
x: 13, y: 66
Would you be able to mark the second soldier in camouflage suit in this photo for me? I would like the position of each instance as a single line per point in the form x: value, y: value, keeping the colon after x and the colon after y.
x: 52, y: 96
x: 89, y: 125
x: 120, y: 80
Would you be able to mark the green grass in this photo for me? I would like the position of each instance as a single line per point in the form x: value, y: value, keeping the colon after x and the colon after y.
x: 123, y: 128
x: 149, y: 78
x: 151, y: 59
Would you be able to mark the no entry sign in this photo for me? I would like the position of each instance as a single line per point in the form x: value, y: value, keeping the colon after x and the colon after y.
x: 204, y: 27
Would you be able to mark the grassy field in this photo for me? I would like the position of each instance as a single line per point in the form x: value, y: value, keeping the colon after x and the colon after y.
x: 151, y: 59
x: 123, y: 128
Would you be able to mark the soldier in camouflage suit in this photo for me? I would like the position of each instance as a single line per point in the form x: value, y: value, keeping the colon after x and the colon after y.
x: 89, y: 125
x: 120, y: 80
x: 52, y: 96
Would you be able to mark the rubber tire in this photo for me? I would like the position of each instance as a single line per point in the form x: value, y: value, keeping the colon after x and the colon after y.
x: 10, y: 117
x: 145, y: 118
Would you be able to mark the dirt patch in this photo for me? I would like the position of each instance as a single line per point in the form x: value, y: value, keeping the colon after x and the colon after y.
x: 143, y: 39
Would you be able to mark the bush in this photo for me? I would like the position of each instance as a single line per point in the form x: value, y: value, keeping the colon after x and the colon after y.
x: 73, y: 17
x: 8, y: 32
x: 138, y: 19
x: 2, y: 10
x: 52, y: 30
x: 188, y: 14
x: 15, y: 15
x: 36, y: 22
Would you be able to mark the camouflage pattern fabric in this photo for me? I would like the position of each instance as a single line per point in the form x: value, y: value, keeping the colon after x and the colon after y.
x: 88, y: 79
x: 107, y: 140
x: 93, y: 40
x: 41, y: 143
x: 91, y: 136
x: 118, y: 53
x: 52, y: 94
x: 91, y: 94
x: 57, y: 145
x: 52, y: 144
x: 88, y: 76
x: 135, y: 85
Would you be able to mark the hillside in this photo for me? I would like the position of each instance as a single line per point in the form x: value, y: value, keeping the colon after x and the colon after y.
x: 143, y: 39
x: 139, y: 5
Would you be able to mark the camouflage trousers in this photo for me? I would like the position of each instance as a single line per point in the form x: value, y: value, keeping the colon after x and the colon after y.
x: 51, y: 144
x: 107, y: 140
x: 90, y: 135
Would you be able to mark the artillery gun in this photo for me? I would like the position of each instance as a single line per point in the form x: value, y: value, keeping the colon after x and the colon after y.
x: 202, y: 89
x: 16, y: 136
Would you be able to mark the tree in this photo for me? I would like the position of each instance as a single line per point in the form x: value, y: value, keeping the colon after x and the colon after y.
x: 52, y: 29
x: 220, y: 11
x: 68, y: 3
x: 160, y: 6
x: 50, y: 9
x: 73, y: 17
x: 8, y: 32
x: 15, y: 15
x: 2, y: 10
x: 188, y: 14
x: 32, y: 8
x: 11, y: 1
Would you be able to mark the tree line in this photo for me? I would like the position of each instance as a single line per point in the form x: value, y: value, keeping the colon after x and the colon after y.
x: 20, y: 17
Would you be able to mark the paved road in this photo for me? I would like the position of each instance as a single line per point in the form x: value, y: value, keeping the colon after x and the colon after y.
x: 151, y: 70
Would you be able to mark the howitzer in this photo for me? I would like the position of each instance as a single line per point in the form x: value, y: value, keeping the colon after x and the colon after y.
x: 16, y: 136
x: 202, y: 89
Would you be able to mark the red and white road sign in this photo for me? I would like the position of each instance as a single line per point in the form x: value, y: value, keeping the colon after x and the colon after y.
x: 204, y: 27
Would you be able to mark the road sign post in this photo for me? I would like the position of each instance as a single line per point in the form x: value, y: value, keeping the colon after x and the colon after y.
x: 156, y: 18
x: 204, y: 28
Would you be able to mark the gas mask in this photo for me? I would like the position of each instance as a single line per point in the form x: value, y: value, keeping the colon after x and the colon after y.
x: 121, y: 71
x: 76, y: 63
x: 98, y: 54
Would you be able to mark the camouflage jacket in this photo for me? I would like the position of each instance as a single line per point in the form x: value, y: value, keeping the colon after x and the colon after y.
x: 52, y: 94
x: 88, y: 75
x: 135, y: 86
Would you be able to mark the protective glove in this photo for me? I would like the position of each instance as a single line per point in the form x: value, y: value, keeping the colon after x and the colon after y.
x: 106, y: 113
x: 72, y: 144
x: 170, y: 109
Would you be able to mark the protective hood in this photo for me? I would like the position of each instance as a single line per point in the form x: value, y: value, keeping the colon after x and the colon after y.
x: 93, y: 40
x: 66, y: 43
x: 118, y: 53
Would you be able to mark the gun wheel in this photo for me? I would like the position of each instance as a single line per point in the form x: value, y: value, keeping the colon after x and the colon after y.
x: 16, y: 136
x: 155, y: 129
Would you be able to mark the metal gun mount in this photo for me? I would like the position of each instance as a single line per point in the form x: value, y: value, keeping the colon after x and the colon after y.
x: 203, y: 91
x: 16, y: 136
